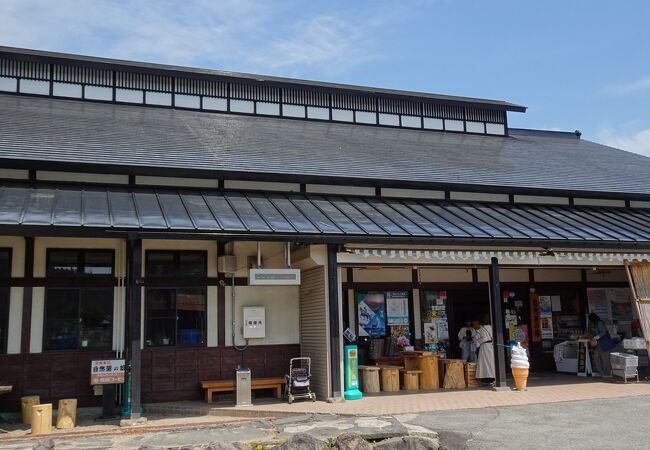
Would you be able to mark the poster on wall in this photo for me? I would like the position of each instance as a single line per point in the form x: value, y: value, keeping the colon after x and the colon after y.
x: 536, y: 326
x: 545, y: 305
x: 598, y: 303
x: 547, y: 327
x: 621, y: 304
x: 443, y: 329
x: 371, y: 314
x: 430, y: 333
x: 519, y: 333
x: 397, y: 308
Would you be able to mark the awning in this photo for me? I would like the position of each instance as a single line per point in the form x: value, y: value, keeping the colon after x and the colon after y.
x: 314, y: 217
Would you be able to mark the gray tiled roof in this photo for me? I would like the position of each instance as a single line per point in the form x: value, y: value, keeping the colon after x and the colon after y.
x: 55, y: 130
x: 344, y: 218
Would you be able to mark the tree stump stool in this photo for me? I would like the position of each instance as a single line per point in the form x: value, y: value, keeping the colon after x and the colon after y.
x: 26, y: 404
x: 67, y: 413
x: 454, y: 374
x: 370, y: 379
x: 390, y: 378
x: 411, y: 379
x: 42, y: 419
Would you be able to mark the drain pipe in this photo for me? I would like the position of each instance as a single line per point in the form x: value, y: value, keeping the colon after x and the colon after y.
x: 232, y: 312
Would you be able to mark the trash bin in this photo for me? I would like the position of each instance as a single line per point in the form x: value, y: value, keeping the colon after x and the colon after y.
x: 243, y: 387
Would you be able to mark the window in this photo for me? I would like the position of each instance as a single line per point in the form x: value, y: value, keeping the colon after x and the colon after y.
x: 163, y: 263
x: 176, y: 316
x: 5, y: 271
x: 79, y: 262
x: 79, y: 317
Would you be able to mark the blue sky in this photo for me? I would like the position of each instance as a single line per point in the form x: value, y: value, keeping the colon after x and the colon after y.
x: 582, y: 64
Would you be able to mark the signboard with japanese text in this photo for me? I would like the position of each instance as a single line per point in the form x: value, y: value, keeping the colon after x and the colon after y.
x: 535, y: 318
x: 107, y: 371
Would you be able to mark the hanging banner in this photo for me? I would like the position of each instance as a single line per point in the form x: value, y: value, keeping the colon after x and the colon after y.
x: 397, y: 308
x: 535, y: 323
x: 371, y: 314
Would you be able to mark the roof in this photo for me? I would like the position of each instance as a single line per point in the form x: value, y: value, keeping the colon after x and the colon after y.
x: 57, y: 57
x: 315, y: 217
x: 162, y: 141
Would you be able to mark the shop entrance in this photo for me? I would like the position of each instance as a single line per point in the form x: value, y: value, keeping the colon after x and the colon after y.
x: 465, y: 305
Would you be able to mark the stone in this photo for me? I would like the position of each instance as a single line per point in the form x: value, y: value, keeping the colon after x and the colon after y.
x: 44, y: 444
x: 218, y: 445
x: 302, y: 441
x: 408, y: 443
x: 351, y: 441
x: 140, y: 421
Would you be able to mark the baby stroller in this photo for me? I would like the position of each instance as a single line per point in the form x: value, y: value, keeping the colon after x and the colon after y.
x: 297, y: 381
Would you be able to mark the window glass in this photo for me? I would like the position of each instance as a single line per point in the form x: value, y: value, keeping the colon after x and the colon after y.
x: 62, y: 262
x: 98, y: 263
x: 61, y: 330
x: 192, y: 264
x: 96, y: 318
x: 190, y: 307
x: 78, y: 318
x: 159, y: 263
x: 175, y: 316
x: 161, y: 317
x: 5, y: 263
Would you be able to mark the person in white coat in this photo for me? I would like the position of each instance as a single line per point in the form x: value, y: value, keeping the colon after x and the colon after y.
x: 485, y: 366
x: 467, y: 339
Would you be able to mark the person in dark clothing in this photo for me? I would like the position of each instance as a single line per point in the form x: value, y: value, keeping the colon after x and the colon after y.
x: 603, y: 343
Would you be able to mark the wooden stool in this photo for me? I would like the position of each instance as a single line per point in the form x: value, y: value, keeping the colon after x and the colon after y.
x: 454, y: 374
x: 369, y: 379
x: 429, y: 376
x: 470, y: 375
x: 411, y: 379
x: 26, y: 404
x: 66, y: 416
x: 390, y: 378
x: 42, y: 419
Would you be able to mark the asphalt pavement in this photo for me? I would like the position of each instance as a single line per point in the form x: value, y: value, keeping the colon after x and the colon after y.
x: 620, y: 423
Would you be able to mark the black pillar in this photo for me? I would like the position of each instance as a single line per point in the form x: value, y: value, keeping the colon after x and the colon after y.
x: 28, y: 291
x: 134, y: 296
x: 335, y: 325
x: 498, y: 325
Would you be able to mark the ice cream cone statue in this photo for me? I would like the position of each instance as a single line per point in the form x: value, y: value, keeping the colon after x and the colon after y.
x: 519, y: 365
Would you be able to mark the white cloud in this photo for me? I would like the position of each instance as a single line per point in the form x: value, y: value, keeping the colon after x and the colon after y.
x: 640, y: 85
x: 636, y: 142
x: 244, y: 35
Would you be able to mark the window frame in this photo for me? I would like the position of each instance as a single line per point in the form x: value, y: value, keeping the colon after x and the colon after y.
x: 79, y: 290
x: 81, y: 262
x: 4, y: 337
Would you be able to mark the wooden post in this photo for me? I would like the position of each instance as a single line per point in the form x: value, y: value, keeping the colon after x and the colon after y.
x: 26, y: 404
x: 42, y: 419
x: 334, y: 320
x: 135, y: 314
x: 66, y: 416
x: 498, y: 325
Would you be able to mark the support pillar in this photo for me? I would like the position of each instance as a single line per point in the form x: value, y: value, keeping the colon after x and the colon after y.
x: 28, y: 291
x: 498, y: 325
x: 134, y: 296
x: 334, y: 322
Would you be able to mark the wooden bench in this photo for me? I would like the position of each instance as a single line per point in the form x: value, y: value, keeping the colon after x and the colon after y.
x: 213, y: 386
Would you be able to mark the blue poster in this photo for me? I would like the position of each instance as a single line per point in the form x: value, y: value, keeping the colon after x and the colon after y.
x: 371, y: 311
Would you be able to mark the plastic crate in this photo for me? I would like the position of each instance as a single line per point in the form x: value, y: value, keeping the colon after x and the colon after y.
x: 624, y: 361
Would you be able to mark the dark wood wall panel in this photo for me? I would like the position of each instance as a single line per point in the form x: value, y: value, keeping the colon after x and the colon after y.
x: 168, y: 374
x: 52, y: 376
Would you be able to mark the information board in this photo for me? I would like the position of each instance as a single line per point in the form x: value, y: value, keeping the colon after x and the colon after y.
x: 107, y: 371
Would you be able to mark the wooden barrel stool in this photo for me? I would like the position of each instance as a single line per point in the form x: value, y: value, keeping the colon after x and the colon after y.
x: 429, y: 377
x: 390, y: 378
x: 411, y: 379
x: 66, y: 416
x: 370, y: 379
